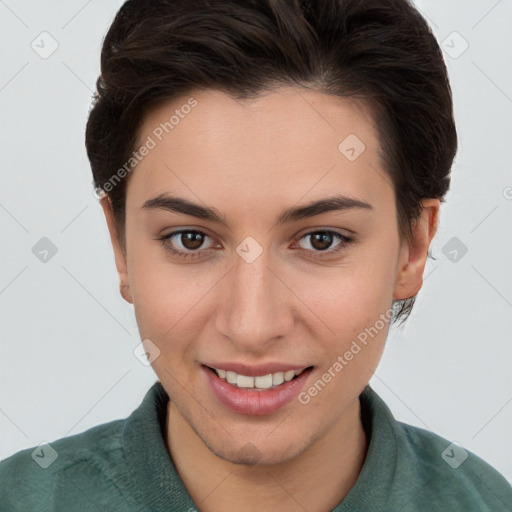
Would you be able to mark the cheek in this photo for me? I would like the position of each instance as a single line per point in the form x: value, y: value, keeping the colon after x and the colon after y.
x: 352, y: 295
x: 353, y: 302
x: 168, y: 298
x: 160, y: 293
x: 164, y: 303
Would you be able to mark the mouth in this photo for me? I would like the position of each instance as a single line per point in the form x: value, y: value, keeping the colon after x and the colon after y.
x: 259, y: 394
x: 258, y: 382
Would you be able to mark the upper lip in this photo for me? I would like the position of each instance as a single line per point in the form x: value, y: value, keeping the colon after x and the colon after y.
x: 256, y: 370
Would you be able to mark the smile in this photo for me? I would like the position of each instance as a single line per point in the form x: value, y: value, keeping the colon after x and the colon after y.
x: 269, y: 381
x: 268, y: 390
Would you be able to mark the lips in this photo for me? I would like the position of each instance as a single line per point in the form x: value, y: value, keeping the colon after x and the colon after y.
x: 251, y: 394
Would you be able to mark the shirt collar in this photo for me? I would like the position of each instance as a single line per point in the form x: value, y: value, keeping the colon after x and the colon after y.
x: 158, y: 486
x: 155, y: 478
x: 376, y: 480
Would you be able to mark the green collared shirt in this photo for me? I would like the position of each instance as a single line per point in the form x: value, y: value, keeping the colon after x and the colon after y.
x: 124, y: 466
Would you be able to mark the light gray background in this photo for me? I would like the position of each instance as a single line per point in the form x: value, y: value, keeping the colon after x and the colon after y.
x: 67, y: 337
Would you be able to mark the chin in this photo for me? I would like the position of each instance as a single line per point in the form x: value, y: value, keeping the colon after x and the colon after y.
x: 258, y: 454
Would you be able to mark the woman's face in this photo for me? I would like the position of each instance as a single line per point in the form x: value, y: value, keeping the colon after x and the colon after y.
x: 256, y: 291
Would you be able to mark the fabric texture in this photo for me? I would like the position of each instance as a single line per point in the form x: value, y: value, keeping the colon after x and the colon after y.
x: 124, y: 466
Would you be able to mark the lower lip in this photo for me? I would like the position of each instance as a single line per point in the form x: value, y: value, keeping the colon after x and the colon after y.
x: 251, y: 401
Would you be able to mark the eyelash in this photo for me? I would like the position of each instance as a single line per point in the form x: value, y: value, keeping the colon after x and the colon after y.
x: 345, y: 241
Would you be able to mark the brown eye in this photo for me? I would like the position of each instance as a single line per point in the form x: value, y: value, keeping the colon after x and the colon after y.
x: 185, y: 243
x: 191, y: 240
x: 320, y: 242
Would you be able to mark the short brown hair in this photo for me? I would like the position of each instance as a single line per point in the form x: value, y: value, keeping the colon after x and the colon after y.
x: 380, y: 51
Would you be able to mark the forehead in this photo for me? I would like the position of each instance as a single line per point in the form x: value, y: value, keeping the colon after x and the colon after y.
x: 296, y: 115
x: 288, y: 142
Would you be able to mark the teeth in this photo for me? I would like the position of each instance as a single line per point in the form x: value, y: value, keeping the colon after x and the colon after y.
x: 277, y: 378
x: 289, y: 375
x: 230, y: 377
x: 264, y: 382
x: 260, y: 382
x: 244, y: 382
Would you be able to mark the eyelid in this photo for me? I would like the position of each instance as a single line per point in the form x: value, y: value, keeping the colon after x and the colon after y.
x: 164, y: 238
x: 345, y: 240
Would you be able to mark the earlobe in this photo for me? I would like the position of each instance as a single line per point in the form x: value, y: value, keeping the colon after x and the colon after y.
x: 119, y: 255
x: 413, y: 256
x: 124, y: 288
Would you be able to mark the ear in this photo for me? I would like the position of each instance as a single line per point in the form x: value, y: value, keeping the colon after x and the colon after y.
x: 413, y: 255
x: 119, y: 253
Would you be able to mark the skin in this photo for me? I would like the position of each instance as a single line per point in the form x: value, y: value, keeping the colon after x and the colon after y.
x: 250, y: 160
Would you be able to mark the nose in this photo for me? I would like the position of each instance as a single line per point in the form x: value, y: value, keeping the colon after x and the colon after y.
x: 255, y: 308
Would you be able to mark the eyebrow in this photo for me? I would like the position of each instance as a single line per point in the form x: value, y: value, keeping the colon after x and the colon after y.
x: 294, y: 214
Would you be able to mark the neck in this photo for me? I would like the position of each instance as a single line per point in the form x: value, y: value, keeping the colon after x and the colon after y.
x: 316, y: 480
